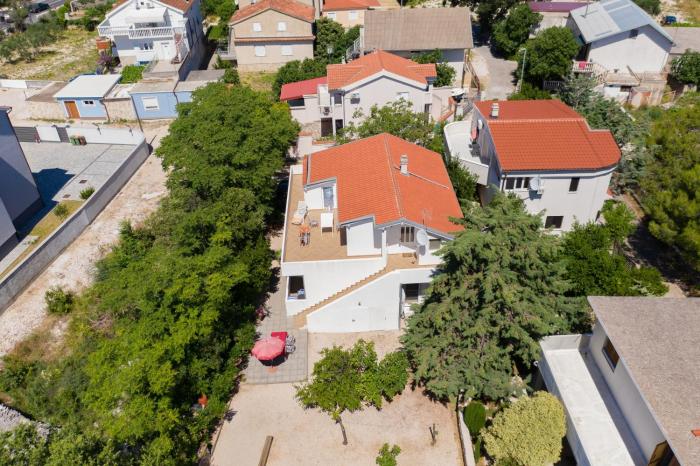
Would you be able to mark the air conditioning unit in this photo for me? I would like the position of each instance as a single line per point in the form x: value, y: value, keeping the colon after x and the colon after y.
x: 537, y: 184
x: 325, y: 110
x: 355, y: 96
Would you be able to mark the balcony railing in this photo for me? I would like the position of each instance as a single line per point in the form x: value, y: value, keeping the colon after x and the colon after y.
x: 139, y: 33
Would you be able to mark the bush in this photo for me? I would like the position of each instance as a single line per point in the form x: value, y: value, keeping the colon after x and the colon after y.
x: 231, y: 76
x: 58, y: 301
x: 475, y: 417
x: 387, y: 456
x: 530, y: 92
x: 87, y: 192
x: 60, y: 211
x: 686, y: 68
x: 653, y: 7
x: 132, y: 74
x: 445, y: 73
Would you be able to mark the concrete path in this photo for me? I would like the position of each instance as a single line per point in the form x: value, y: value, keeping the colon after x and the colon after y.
x: 496, y: 74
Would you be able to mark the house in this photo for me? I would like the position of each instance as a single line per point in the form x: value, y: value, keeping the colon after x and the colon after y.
x: 266, y: 34
x: 167, y: 34
x: 363, y: 223
x: 349, y: 13
x: 19, y: 196
x: 540, y: 150
x: 411, y: 31
x: 624, y: 48
x: 325, y: 105
x: 83, y: 97
x: 630, y: 388
x: 554, y: 13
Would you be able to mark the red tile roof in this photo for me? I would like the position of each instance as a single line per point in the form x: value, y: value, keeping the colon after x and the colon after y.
x: 182, y: 5
x: 370, y: 184
x: 288, y: 7
x: 547, y: 135
x: 343, y: 75
x: 337, y: 5
x: 299, y: 89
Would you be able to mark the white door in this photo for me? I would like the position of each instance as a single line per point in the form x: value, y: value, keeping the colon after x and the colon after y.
x: 165, y: 50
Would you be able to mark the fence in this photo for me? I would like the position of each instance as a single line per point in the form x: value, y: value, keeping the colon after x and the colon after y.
x: 23, y: 274
x: 23, y: 84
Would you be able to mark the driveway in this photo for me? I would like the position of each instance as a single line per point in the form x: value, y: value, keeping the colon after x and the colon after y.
x: 495, y: 74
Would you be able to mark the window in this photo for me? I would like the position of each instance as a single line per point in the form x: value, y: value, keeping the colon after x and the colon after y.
x: 426, y: 108
x: 408, y: 234
x: 402, y: 95
x: 257, y: 27
x: 260, y: 51
x: 412, y: 291
x: 150, y: 103
x: 520, y: 182
x: 435, y: 244
x: 510, y: 183
x: 296, y: 103
x: 553, y: 221
x: 89, y: 103
x: 337, y: 99
x: 573, y: 185
x: 296, y: 287
x: 352, y: 15
x: 634, y: 33
x: 331, y: 15
x: 281, y: 26
x: 610, y: 353
x: 287, y: 50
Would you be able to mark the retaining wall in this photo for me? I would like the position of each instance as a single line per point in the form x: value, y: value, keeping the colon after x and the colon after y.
x: 23, y: 84
x: 23, y: 274
x: 120, y: 109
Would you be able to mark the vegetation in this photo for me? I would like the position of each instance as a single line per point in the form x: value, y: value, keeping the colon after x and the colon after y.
x: 499, y: 289
x: 86, y: 193
x: 395, y: 118
x: 231, y: 76
x: 348, y: 380
x: 512, y: 32
x: 490, y: 12
x: 549, y: 55
x: 530, y: 92
x: 686, y: 68
x: 528, y: 432
x: 132, y: 74
x: 387, y: 455
x: 332, y: 36
x: 296, y: 70
x: 26, y: 45
x: 222, y: 8
x: 23, y: 446
x: 653, y: 7
x: 171, y: 315
x: 475, y: 419
x: 61, y: 211
x: 445, y: 73
x: 59, y: 301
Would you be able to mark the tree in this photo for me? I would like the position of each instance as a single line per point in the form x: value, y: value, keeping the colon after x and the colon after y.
x: 395, y: 118
x: 528, y: 432
x: 488, y: 11
x: 296, y: 70
x: 513, y: 31
x: 231, y: 76
x: 499, y: 289
x: 549, y: 55
x: 387, y: 455
x: 22, y: 445
x: 619, y: 221
x: 348, y: 380
x: 686, y: 68
x: 577, y: 90
x: 332, y: 34
x: 445, y: 73
x: 653, y: 7
x: 530, y: 92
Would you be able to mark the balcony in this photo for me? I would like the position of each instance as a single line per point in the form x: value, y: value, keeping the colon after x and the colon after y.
x: 132, y: 32
x: 459, y: 145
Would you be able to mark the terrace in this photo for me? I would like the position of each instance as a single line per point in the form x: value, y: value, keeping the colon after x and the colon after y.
x: 458, y: 139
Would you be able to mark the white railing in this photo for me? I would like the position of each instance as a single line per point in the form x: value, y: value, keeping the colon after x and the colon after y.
x: 583, y: 67
x: 139, y: 33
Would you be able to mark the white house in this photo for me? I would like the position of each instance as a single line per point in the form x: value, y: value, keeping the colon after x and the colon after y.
x: 540, y: 150
x: 325, y: 105
x: 167, y: 31
x: 363, y: 223
x: 630, y: 389
x: 623, y: 47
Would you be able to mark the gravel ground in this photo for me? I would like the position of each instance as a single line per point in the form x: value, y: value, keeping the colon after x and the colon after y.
x: 496, y: 74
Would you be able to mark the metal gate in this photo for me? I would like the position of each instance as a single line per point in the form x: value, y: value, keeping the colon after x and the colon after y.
x: 26, y: 133
x: 62, y: 133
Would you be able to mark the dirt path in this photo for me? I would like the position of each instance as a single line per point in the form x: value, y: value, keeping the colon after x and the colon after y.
x: 73, y: 269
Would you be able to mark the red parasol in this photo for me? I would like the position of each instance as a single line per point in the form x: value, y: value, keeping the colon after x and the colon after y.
x: 268, y: 349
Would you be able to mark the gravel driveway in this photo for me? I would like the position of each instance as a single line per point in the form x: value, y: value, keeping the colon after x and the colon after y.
x: 496, y: 74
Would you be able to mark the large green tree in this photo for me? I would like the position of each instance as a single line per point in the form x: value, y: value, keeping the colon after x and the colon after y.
x: 296, y: 70
x: 499, y: 289
x: 549, y: 55
x: 445, y: 73
x: 489, y: 12
x: 513, y: 31
x: 686, y: 68
x: 332, y: 36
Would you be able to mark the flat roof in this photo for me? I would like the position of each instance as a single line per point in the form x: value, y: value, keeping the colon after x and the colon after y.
x: 149, y: 85
x: 198, y: 78
x: 658, y: 340
x: 684, y: 39
x: 85, y: 86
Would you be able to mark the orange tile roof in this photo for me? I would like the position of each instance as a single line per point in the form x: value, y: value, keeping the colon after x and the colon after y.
x: 288, y: 7
x: 547, y: 135
x: 343, y: 75
x: 182, y: 5
x: 370, y: 183
x: 337, y: 5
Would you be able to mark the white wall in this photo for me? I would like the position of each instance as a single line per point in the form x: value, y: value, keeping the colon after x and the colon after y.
x: 309, y: 113
x: 627, y: 395
x: 363, y: 239
x: 374, y: 306
x: 648, y: 52
x: 314, y: 196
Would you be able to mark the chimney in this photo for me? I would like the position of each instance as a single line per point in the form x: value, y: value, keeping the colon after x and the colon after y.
x: 494, y: 110
x: 404, y: 164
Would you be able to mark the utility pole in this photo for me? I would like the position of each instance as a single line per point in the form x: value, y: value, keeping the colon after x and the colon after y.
x: 522, y: 70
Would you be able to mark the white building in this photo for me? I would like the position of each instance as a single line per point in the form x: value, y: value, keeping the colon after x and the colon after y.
x: 630, y: 389
x: 540, y: 150
x: 624, y: 48
x: 363, y: 223
x: 168, y: 31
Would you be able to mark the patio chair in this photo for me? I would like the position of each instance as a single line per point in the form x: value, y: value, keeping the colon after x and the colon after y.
x: 300, y: 213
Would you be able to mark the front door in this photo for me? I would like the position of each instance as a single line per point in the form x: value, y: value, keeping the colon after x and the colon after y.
x: 164, y: 50
x: 72, y: 109
x: 326, y: 127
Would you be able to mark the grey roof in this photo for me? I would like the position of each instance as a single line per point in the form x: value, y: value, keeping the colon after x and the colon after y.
x: 149, y: 85
x: 609, y: 17
x: 684, y: 39
x: 418, y: 29
x: 658, y: 341
x: 89, y: 85
x: 198, y: 78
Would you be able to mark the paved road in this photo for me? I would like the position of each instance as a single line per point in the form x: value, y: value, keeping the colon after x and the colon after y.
x: 500, y: 74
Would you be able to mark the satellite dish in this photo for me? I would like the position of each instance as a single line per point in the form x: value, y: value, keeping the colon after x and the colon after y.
x: 422, y: 237
x: 535, y: 183
x: 457, y: 94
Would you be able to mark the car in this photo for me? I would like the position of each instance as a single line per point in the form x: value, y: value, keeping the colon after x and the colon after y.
x: 38, y: 7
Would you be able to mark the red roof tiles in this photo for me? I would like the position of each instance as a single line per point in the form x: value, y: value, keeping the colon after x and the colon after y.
x: 182, y: 5
x: 288, y: 7
x: 547, y: 135
x: 370, y: 183
x: 343, y: 75
x: 338, y: 5
x: 299, y: 89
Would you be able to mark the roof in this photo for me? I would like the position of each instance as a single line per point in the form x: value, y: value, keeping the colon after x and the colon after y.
x: 418, y: 29
x: 146, y: 86
x: 553, y: 7
x: 606, y: 18
x: 299, y: 89
x: 288, y: 7
x: 342, y: 75
x: 547, y: 135
x: 370, y: 184
x: 199, y: 78
x: 337, y: 5
x: 657, y: 340
x: 684, y: 39
x: 182, y: 5
x: 89, y: 85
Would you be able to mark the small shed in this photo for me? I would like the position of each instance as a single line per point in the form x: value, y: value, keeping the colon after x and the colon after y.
x: 83, y: 97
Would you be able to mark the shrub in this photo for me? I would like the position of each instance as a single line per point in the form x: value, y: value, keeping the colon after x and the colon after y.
x: 132, y: 73
x: 231, y: 76
x: 87, y: 192
x: 61, y: 211
x: 59, y: 301
x: 475, y: 417
x: 530, y: 92
x: 387, y: 456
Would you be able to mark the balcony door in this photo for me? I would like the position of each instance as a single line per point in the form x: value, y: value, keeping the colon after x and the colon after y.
x: 164, y: 50
x: 328, y: 198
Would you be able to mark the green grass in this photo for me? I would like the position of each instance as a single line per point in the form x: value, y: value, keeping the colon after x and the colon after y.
x: 258, y: 80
